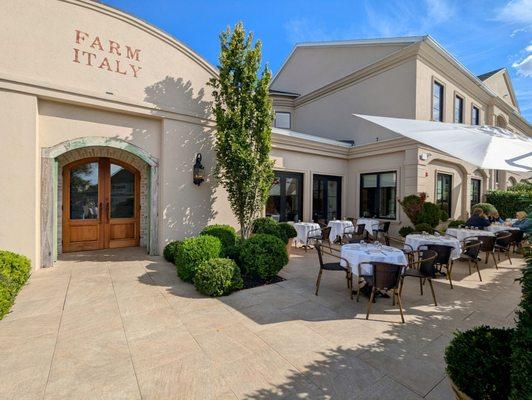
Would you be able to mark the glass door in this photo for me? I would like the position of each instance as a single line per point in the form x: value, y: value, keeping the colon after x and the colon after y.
x: 326, y: 198
x: 285, y: 201
x: 444, y: 192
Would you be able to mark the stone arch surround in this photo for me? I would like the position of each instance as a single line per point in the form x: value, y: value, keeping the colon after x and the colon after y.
x: 110, y: 152
x: 55, y: 157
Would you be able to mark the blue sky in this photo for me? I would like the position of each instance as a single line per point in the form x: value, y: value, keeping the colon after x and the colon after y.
x: 483, y: 34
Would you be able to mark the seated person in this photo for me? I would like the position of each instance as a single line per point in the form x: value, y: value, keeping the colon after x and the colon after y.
x: 494, y: 217
x: 523, y: 223
x: 477, y: 220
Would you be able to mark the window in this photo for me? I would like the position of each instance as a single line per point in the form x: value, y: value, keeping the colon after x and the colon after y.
x: 282, y: 120
x: 437, y: 101
x: 458, y: 109
x: 475, y: 116
x: 475, y: 192
x: 444, y: 188
x: 378, y: 195
x: 285, y: 202
x: 326, y: 198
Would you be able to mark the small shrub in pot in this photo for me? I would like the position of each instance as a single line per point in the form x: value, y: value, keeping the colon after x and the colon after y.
x: 218, y: 277
x: 263, y: 256
x: 192, y: 252
x: 405, y: 231
x: 423, y: 227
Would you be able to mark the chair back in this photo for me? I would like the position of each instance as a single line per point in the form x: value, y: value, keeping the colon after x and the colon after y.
x: 443, y: 251
x: 385, y: 227
x: 386, y: 276
x: 503, y: 238
x: 427, y: 261
x: 325, y: 233
x: 472, y: 248
x: 317, y: 246
x: 360, y: 229
x: 517, y: 236
x: 487, y: 243
x: 321, y: 222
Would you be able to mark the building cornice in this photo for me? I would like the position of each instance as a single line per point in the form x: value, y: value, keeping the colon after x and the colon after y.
x: 309, y: 146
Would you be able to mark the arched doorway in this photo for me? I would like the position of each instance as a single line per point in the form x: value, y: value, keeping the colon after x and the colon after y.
x: 101, y: 204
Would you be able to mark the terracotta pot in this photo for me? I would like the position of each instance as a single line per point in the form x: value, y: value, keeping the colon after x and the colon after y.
x: 458, y: 394
x: 289, y: 246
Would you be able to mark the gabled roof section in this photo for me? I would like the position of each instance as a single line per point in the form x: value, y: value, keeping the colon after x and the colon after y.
x: 499, y: 81
x: 313, y: 65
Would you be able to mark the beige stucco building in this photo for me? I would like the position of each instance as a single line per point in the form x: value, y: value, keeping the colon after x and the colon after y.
x: 102, y: 116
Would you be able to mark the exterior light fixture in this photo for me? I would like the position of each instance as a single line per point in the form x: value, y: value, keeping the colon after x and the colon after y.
x: 199, y: 171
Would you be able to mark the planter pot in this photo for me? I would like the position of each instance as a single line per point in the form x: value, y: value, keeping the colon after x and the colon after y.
x: 289, y: 246
x: 458, y: 394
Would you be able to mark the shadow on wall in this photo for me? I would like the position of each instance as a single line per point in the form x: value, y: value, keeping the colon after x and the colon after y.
x: 184, y: 207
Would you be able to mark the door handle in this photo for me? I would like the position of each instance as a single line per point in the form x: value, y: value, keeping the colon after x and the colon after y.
x: 100, y: 210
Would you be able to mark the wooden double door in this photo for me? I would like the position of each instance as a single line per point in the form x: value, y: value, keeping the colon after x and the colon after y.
x: 101, y: 205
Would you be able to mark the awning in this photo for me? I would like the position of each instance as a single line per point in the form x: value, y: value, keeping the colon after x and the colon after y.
x: 487, y: 147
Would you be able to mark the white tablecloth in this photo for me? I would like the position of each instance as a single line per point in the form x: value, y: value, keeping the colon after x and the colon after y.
x: 338, y: 228
x: 419, y: 240
x: 303, y: 228
x: 462, y: 234
x: 357, y: 253
x: 498, y: 228
x: 370, y: 223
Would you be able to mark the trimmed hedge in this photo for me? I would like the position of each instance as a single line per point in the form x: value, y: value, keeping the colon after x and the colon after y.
x: 192, y: 252
x: 456, y: 223
x: 509, y: 202
x: 218, y: 277
x: 261, y: 223
x: 521, y: 345
x: 269, y: 226
x: 263, y: 256
x: 287, y: 230
x: 170, y: 250
x: 486, y: 207
x: 406, y: 230
x: 225, y: 233
x: 14, y: 272
x: 423, y: 227
x: 431, y: 214
x: 478, y: 362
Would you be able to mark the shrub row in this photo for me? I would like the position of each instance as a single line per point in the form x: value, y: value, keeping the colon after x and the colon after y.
x: 509, y: 202
x: 269, y: 226
x: 14, y: 272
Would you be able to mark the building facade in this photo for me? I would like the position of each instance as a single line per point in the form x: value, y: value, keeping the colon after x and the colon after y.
x: 102, y: 116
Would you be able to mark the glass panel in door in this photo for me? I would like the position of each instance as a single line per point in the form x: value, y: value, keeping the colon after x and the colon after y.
x: 273, y: 205
x: 444, y: 192
x: 326, y: 198
x: 84, y: 192
x: 122, y: 192
x: 291, y: 199
x: 332, y: 200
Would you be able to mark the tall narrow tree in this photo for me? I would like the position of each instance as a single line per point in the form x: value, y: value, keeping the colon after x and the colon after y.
x: 244, y: 117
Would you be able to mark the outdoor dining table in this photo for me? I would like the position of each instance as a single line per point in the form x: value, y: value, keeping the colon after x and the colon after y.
x: 371, y: 224
x: 462, y: 234
x: 499, y: 227
x: 338, y: 228
x: 303, y: 229
x: 417, y: 240
x: 361, y: 253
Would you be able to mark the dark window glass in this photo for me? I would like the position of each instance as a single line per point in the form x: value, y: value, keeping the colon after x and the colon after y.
x: 475, y: 116
x: 378, y: 195
x: 475, y: 192
x: 122, y: 192
x: 444, y: 184
x: 84, y: 191
x: 437, y: 102
x: 458, y: 110
x: 326, y: 198
x: 285, y: 202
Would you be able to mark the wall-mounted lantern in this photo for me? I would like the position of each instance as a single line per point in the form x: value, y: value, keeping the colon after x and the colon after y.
x: 199, y: 171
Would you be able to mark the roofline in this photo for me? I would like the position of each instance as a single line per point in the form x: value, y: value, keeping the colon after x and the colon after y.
x: 312, y: 138
x: 358, y: 42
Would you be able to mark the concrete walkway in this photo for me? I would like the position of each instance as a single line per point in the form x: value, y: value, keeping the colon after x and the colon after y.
x: 120, y: 325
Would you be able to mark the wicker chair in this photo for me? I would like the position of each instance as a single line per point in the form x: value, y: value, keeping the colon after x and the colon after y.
x: 516, y: 240
x: 443, y: 260
x: 385, y: 277
x: 334, y: 266
x: 487, y: 245
x: 357, y: 235
x: 470, y: 251
x: 383, y: 230
x: 318, y: 235
x: 502, y: 244
x: 423, y: 268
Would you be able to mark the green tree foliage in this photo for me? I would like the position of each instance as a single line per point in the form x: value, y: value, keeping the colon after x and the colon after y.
x: 244, y: 117
x: 510, y: 201
x: 412, y: 206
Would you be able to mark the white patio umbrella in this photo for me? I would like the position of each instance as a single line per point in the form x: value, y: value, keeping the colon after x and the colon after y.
x: 487, y: 147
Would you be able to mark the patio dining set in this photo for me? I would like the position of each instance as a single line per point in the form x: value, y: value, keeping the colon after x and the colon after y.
x: 363, y: 252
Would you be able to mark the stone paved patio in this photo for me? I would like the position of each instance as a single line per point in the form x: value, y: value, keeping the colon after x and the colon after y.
x: 120, y: 325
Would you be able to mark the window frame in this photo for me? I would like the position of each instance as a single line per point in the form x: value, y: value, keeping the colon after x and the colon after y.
x: 326, y: 178
x: 442, y: 100
x: 282, y: 175
x: 471, y: 202
x: 436, y: 200
x: 378, y: 199
x: 289, y: 119
x: 473, y: 107
x: 462, y: 111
